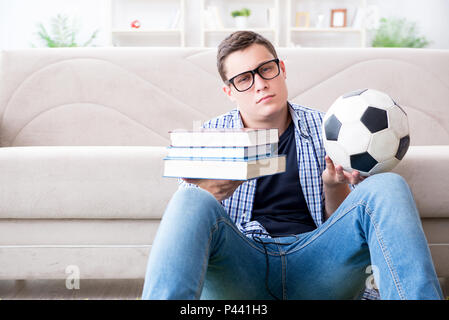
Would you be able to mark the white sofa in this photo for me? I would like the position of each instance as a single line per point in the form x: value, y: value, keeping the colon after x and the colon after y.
x: 83, y: 132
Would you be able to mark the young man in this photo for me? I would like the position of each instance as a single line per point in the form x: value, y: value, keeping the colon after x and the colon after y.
x: 302, y: 234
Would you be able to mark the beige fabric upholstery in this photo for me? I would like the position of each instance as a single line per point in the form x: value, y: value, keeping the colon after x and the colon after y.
x: 82, y: 184
x: 134, y: 96
x: 77, y: 182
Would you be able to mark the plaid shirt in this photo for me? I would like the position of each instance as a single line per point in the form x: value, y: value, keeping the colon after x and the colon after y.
x: 310, y: 154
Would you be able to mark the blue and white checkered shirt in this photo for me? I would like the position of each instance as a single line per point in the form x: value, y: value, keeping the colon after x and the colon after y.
x: 310, y: 154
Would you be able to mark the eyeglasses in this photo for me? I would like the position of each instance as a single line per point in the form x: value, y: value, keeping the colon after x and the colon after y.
x: 244, y: 81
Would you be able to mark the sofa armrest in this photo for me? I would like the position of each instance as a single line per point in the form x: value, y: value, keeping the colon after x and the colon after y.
x: 426, y: 170
x: 83, y: 182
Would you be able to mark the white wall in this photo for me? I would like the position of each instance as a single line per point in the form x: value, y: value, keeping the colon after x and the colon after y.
x: 18, y: 19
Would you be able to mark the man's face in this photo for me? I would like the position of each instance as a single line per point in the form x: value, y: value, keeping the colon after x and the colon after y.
x: 251, y: 102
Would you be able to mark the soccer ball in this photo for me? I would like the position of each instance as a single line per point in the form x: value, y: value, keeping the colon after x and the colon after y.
x: 366, y: 130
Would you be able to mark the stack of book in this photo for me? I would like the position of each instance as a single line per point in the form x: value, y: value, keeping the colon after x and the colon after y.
x: 232, y: 154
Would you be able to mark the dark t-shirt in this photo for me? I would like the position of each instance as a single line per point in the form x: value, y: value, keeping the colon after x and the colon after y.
x: 279, y: 203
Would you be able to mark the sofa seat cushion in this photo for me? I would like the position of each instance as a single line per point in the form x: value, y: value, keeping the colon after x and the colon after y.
x: 83, y: 183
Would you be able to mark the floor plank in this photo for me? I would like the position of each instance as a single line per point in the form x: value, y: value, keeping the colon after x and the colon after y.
x: 89, y: 289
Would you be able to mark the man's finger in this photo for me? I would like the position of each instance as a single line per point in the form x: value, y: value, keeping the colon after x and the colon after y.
x: 329, y: 163
x: 341, y: 174
x: 357, y: 177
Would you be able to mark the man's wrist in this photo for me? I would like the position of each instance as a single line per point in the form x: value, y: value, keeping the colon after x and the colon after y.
x: 334, y: 186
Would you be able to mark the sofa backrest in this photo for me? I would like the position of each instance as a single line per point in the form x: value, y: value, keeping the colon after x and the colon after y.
x: 134, y: 96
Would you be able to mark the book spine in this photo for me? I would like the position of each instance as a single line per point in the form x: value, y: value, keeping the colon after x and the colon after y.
x: 221, y: 152
x: 243, y: 159
x: 220, y: 138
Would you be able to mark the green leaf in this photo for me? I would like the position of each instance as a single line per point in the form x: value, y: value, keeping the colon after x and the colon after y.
x: 397, y: 32
x: 63, y: 33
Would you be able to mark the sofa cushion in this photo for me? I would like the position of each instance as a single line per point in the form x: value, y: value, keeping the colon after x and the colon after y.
x: 134, y: 96
x: 126, y: 182
x: 83, y: 182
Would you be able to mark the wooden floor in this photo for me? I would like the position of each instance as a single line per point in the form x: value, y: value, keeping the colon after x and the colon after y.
x: 57, y: 290
x: 88, y: 290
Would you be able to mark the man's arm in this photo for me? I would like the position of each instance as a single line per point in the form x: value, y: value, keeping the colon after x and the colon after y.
x: 220, y: 189
x: 334, y: 196
x: 336, y: 186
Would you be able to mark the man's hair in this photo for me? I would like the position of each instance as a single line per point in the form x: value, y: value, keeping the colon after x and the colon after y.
x: 236, y: 41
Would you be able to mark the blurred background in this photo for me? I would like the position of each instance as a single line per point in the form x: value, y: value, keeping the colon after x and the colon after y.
x: 204, y: 23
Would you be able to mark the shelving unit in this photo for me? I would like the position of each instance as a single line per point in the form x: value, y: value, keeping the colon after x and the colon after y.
x: 274, y: 19
x: 321, y: 33
x: 225, y: 23
x: 162, y: 22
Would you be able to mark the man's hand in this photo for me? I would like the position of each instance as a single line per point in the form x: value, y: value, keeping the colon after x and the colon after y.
x: 335, y: 175
x: 220, y: 189
x: 336, y: 185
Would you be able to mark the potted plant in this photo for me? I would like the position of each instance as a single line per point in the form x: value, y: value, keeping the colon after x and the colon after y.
x: 241, y: 17
x: 396, y: 32
x: 63, y: 33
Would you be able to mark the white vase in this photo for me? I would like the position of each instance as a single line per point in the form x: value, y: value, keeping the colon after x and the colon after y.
x: 241, y: 22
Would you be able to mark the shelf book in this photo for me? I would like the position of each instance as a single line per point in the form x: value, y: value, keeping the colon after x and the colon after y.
x: 234, y: 154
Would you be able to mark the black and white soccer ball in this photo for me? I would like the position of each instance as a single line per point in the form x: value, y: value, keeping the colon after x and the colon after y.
x: 366, y: 130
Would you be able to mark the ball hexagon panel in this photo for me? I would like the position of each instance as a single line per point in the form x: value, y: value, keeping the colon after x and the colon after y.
x: 349, y: 109
x: 377, y: 99
x: 384, y: 145
x: 362, y: 162
x: 398, y: 121
x: 375, y: 119
x: 337, y: 154
x: 357, y: 130
x: 385, y: 166
x: 397, y: 105
x: 332, y: 128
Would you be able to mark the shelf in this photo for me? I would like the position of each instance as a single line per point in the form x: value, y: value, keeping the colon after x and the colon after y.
x: 147, y: 31
x: 346, y: 29
x: 229, y: 30
x: 163, y: 22
x: 216, y: 20
x: 312, y: 36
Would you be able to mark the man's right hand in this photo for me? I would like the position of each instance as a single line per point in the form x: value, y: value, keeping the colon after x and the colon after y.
x: 220, y: 189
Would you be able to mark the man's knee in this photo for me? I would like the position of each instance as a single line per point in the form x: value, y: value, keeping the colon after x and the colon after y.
x: 386, y: 182
x: 192, y: 201
x: 193, y: 196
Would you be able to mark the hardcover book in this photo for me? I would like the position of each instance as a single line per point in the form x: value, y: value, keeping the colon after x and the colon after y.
x: 223, y: 137
x: 223, y: 153
x: 229, y: 170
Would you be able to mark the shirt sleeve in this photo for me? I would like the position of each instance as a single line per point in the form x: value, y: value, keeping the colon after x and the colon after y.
x: 183, y: 184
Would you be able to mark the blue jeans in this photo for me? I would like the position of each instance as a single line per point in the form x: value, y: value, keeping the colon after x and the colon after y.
x: 199, y: 253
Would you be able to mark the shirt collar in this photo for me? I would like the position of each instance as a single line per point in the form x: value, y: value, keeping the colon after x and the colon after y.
x: 299, y: 123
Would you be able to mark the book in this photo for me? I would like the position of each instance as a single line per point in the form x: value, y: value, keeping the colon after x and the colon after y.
x: 244, y: 137
x: 229, y: 170
x: 223, y: 153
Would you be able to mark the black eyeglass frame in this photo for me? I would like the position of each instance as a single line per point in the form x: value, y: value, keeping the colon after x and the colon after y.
x: 253, y: 73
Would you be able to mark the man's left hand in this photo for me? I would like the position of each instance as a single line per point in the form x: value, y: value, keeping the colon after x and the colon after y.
x: 335, y: 175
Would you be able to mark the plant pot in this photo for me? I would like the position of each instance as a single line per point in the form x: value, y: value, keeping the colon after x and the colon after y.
x: 241, y: 22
